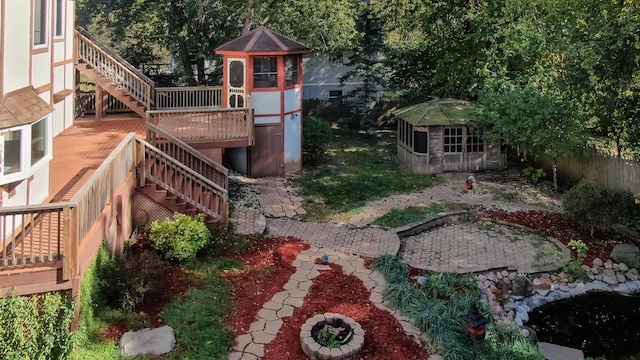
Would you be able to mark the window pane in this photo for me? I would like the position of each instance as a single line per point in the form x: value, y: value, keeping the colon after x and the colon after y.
x: 452, y: 140
x: 420, y: 142
x: 39, y: 22
x: 291, y: 69
x: 236, y: 74
x: 265, y: 72
x: 38, y: 141
x: 12, y: 146
x: 59, y: 17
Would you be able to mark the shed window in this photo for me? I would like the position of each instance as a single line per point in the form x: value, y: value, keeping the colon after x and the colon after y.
x: 265, y: 72
x: 420, y: 142
x: 453, y: 140
x: 335, y: 94
x: 292, y: 70
x: 475, y: 143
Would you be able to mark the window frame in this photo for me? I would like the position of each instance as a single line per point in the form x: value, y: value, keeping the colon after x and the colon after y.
x: 59, y: 18
x: 268, y: 73
x: 295, y: 71
x: 456, y: 146
x: 475, y: 142
x: 43, y: 22
x: 27, y: 168
x: 422, y: 132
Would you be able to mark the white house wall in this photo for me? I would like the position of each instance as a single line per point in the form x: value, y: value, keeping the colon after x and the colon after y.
x: 292, y: 100
x: 293, y: 142
x: 265, y: 102
x: 17, y: 44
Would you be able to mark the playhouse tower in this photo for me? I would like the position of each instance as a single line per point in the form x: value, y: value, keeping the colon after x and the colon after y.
x: 263, y: 70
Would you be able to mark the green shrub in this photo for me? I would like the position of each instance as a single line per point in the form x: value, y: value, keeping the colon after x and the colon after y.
x: 124, y: 280
x: 180, y: 237
x: 36, y: 326
x: 317, y: 135
x: 597, y: 207
x: 534, y: 175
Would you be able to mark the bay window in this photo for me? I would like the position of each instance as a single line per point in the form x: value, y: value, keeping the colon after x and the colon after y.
x: 23, y: 149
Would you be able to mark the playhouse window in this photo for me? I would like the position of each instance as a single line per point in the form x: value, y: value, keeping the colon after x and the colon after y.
x: 291, y: 70
x: 265, y: 72
x: 452, y: 140
x: 475, y: 144
x: 23, y: 149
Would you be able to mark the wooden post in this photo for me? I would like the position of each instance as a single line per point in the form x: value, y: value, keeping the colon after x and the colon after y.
x: 100, y: 103
x: 70, y: 246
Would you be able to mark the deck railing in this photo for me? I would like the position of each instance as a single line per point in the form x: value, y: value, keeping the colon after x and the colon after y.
x: 188, y: 97
x: 113, y: 67
x: 86, y: 104
x: 187, y: 155
x: 48, y: 232
x: 205, y: 124
x: 185, y: 183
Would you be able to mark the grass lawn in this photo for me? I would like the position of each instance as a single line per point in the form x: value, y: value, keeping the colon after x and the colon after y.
x: 356, y: 171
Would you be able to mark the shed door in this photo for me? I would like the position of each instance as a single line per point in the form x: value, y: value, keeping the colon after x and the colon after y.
x: 267, y: 155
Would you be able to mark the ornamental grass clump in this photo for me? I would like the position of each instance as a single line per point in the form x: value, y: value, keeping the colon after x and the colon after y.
x: 181, y: 237
x: 438, y: 304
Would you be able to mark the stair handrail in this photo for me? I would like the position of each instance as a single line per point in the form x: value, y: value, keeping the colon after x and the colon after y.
x: 197, y: 161
x: 135, y: 83
x: 213, y: 187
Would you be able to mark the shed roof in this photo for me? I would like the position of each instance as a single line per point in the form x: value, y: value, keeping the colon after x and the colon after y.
x: 436, y: 112
x: 263, y: 39
x: 22, y: 107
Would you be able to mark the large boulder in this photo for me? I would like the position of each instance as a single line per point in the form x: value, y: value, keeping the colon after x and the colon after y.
x: 626, y: 253
x: 148, y: 341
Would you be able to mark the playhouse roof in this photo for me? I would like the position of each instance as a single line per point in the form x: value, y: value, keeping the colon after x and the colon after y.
x: 436, y: 112
x: 263, y: 40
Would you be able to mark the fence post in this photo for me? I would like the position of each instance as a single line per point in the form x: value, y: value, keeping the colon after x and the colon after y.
x: 70, y: 246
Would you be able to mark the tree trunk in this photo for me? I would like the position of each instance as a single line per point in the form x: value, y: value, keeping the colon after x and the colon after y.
x: 201, y: 74
x: 555, y: 175
x: 176, y: 23
x: 249, y: 18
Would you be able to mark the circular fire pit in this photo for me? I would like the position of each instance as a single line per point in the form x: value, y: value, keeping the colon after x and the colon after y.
x: 331, y: 336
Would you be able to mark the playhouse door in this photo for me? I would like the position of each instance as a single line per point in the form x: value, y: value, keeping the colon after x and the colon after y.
x: 267, y: 155
x: 236, y: 83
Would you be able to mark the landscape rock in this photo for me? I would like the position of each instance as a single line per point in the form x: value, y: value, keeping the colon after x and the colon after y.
x: 609, y: 277
x: 632, y: 274
x: 148, y: 341
x: 626, y: 253
x: 557, y: 352
x: 597, y: 262
x: 622, y: 267
x: 521, y: 286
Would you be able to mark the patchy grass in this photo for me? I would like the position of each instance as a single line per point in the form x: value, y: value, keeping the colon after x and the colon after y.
x: 357, y: 171
x: 398, y: 218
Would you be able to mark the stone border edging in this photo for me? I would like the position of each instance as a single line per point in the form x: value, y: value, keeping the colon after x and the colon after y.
x: 314, y: 350
x: 432, y: 221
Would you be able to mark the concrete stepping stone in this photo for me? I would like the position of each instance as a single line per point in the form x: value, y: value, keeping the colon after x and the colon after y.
x: 148, y: 341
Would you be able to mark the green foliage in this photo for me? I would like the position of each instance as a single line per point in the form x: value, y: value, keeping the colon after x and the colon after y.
x: 397, y: 218
x: 197, y: 317
x: 438, y: 307
x: 358, y: 171
x: 180, y: 237
x: 36, y: 326
x: 579, y: 250
x: 124, y: 280
x: 534, y: 175
x: 317, y: 135
x: 227, y: 242
x: 327, y: 339
x: 596, y: 207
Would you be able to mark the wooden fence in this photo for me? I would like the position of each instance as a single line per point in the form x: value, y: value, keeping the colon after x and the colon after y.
x: 606, y: 171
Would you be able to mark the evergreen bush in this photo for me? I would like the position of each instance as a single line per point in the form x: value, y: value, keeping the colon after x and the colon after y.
x: 317, y: 134
x: 181, y: 237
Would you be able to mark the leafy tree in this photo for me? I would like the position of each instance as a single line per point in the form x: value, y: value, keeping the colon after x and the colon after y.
x: 536, y: 121
x: 368, y: 67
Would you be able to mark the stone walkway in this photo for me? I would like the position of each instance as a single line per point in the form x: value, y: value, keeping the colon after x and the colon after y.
x: 276, y: 210
x: 264, y: 329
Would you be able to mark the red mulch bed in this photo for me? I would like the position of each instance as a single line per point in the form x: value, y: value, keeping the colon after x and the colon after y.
x: 564, y: 229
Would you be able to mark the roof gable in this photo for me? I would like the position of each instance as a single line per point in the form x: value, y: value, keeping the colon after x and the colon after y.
x: 263, y: 39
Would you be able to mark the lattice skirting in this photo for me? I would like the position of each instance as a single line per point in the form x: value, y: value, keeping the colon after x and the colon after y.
x: 145, y: 211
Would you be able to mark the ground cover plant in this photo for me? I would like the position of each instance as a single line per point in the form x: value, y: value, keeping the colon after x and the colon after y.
x: 398, y: 218
x: 437, y: 305
x: 357, y: 170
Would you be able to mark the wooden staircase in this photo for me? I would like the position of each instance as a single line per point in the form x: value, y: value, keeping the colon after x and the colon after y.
x: 113, y: 74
